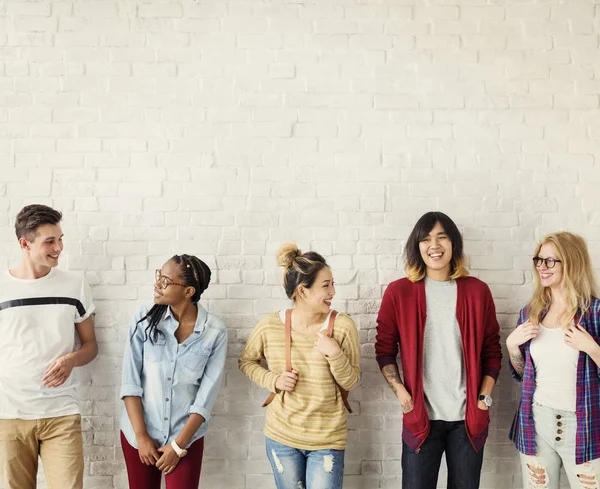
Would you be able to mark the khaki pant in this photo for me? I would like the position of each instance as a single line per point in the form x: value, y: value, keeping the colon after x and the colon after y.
x: 56, y: 440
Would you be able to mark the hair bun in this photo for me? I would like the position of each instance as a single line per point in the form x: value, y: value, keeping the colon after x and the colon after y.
x: 286, y: 254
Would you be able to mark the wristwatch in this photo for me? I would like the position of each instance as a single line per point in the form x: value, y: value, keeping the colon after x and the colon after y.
x: 487, y: 400
x: 181, y: 452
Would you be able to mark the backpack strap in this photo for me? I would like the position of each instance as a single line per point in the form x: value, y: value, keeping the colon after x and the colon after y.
x: 343, y: 392
x: 288, y: 351
x: 332, y: 317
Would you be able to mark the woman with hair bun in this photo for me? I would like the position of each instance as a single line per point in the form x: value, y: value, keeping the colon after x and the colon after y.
x: 313, y: 361
x: 172, y: 369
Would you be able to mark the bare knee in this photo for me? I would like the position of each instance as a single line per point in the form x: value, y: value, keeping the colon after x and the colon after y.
x: 587, y: 478
x: 538, y: 477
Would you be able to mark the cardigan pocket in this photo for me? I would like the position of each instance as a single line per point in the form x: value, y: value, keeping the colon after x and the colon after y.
x: 481, y: 420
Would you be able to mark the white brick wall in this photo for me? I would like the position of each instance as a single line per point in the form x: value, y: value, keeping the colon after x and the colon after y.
x: 223, y: 128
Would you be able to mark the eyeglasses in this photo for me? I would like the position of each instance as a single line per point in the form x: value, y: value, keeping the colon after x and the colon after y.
x: 163, y: 282
x: 549, y: 262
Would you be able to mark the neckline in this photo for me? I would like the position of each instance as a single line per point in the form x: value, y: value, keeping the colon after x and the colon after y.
x: 30, y: 280
x: 322, y: 328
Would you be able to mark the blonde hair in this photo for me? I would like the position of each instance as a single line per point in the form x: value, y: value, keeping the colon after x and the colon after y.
x: 298, y: 268
x: 578, y: 282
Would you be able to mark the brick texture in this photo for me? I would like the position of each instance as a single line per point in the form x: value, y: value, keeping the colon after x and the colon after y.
x: 222, y: 128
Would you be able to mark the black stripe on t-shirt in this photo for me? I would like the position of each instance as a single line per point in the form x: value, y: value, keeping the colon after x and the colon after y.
x: 43, y: 301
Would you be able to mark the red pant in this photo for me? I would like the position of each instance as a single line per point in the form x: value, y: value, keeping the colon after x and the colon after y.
x: 185, y: 476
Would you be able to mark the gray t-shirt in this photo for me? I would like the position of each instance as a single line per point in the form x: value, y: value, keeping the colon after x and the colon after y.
x: 444, y: 380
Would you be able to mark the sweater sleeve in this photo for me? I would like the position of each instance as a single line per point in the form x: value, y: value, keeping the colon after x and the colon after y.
x: 249, y: 362
x: 388, y: 340
x: 491, y: 352
x: 345, y: 367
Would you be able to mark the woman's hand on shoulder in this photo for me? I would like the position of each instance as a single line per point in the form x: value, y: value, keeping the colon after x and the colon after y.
x: 326, y: 345
x: 522, y: 334
x: 578, y: 338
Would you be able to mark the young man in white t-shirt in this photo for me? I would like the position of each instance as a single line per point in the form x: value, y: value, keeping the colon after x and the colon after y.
x: 42, y: 311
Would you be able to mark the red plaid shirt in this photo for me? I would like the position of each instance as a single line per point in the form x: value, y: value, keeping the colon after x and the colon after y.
x: 587, y: 443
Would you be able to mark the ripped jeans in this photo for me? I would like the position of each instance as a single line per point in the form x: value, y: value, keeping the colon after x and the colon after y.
x: 555, y: 433
x: 305, y: 469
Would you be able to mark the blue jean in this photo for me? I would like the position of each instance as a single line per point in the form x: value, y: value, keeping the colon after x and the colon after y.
x: 420, y: 470
x: 305, y: 469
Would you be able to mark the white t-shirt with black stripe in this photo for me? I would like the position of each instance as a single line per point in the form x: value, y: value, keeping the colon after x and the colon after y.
x: 37, y: 326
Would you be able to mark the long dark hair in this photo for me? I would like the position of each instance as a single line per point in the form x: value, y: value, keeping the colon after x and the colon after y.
x: 413, y: 262
x: 195, y: 274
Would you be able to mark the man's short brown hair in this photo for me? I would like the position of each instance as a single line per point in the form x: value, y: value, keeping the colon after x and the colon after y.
x: 31, y: 217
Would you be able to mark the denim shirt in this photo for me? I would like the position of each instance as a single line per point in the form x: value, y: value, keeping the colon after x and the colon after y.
x: 174, y: 380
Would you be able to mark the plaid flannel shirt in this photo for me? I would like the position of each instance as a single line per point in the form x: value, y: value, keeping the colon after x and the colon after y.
x: 587, y: 444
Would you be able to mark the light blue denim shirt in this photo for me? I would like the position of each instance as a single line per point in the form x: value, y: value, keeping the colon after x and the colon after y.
x: 173, y: 380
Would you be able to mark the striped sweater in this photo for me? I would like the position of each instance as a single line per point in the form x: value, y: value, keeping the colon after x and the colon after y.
x: 312, y: 416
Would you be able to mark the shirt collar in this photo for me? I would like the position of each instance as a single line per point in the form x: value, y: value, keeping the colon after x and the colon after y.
x: 200, y: 320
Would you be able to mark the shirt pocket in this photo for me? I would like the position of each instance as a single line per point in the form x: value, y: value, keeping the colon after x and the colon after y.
x: 154, y: 352
x: 194, y: 362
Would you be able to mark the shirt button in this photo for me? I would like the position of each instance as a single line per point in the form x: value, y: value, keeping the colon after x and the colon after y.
x: 166, y: 419
x: 184, y: 344
x: 167, y: 399
x: 168, y: 378
x: 557, y: 438
x: 559, y: 432
x: 559, y: 424
x: 558, y: 416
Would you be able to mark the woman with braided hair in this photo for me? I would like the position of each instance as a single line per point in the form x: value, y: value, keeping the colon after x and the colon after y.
x: 172, y: 368
x: 305, y: 424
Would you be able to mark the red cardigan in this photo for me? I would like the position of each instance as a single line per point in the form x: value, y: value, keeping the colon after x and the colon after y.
x: 401, y: 321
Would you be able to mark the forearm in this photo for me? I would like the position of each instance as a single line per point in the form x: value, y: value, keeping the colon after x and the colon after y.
x: 392, y: 376
x: 487, y: 385
x: 258, y: 374
x: 192, y: 425
x: 516, y: 360
x: 133, y: 406
x: 84, y: 355
x: 344, y: 373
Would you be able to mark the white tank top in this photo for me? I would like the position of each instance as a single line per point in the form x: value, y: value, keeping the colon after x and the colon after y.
x: 555, y: 369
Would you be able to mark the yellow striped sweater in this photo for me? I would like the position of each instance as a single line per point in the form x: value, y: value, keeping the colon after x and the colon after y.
x: 312, y: 416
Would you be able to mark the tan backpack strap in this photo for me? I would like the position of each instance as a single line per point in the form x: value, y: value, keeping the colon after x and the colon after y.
x: 288, y: 340
x: 332, y: 317
x: 343, y: 392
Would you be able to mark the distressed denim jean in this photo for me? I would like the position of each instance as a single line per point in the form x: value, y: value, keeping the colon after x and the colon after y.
x: 555, y: 432
x: 305, y: 469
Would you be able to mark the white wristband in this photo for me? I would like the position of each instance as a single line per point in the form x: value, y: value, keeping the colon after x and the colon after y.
x: 181, y: 452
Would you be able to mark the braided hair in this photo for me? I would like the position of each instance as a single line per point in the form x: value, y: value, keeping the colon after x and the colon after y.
x: 195, y: 274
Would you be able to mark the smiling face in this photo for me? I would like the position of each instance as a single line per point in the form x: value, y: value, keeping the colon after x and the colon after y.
x: 175, y: 291
x: 319, y: 296
x: 45, y: 247
x: 436, y: 253
x: 549, y: 277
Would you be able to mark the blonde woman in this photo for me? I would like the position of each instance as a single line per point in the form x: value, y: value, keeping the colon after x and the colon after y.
x: 305, y: 424
x: 554, y: 351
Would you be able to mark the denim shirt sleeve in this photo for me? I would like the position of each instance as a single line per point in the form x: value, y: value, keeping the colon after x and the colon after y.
x: 211, y: 379
x: 133, y: 359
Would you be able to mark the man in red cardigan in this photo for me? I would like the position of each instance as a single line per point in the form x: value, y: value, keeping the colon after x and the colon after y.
x: 444, y: 323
